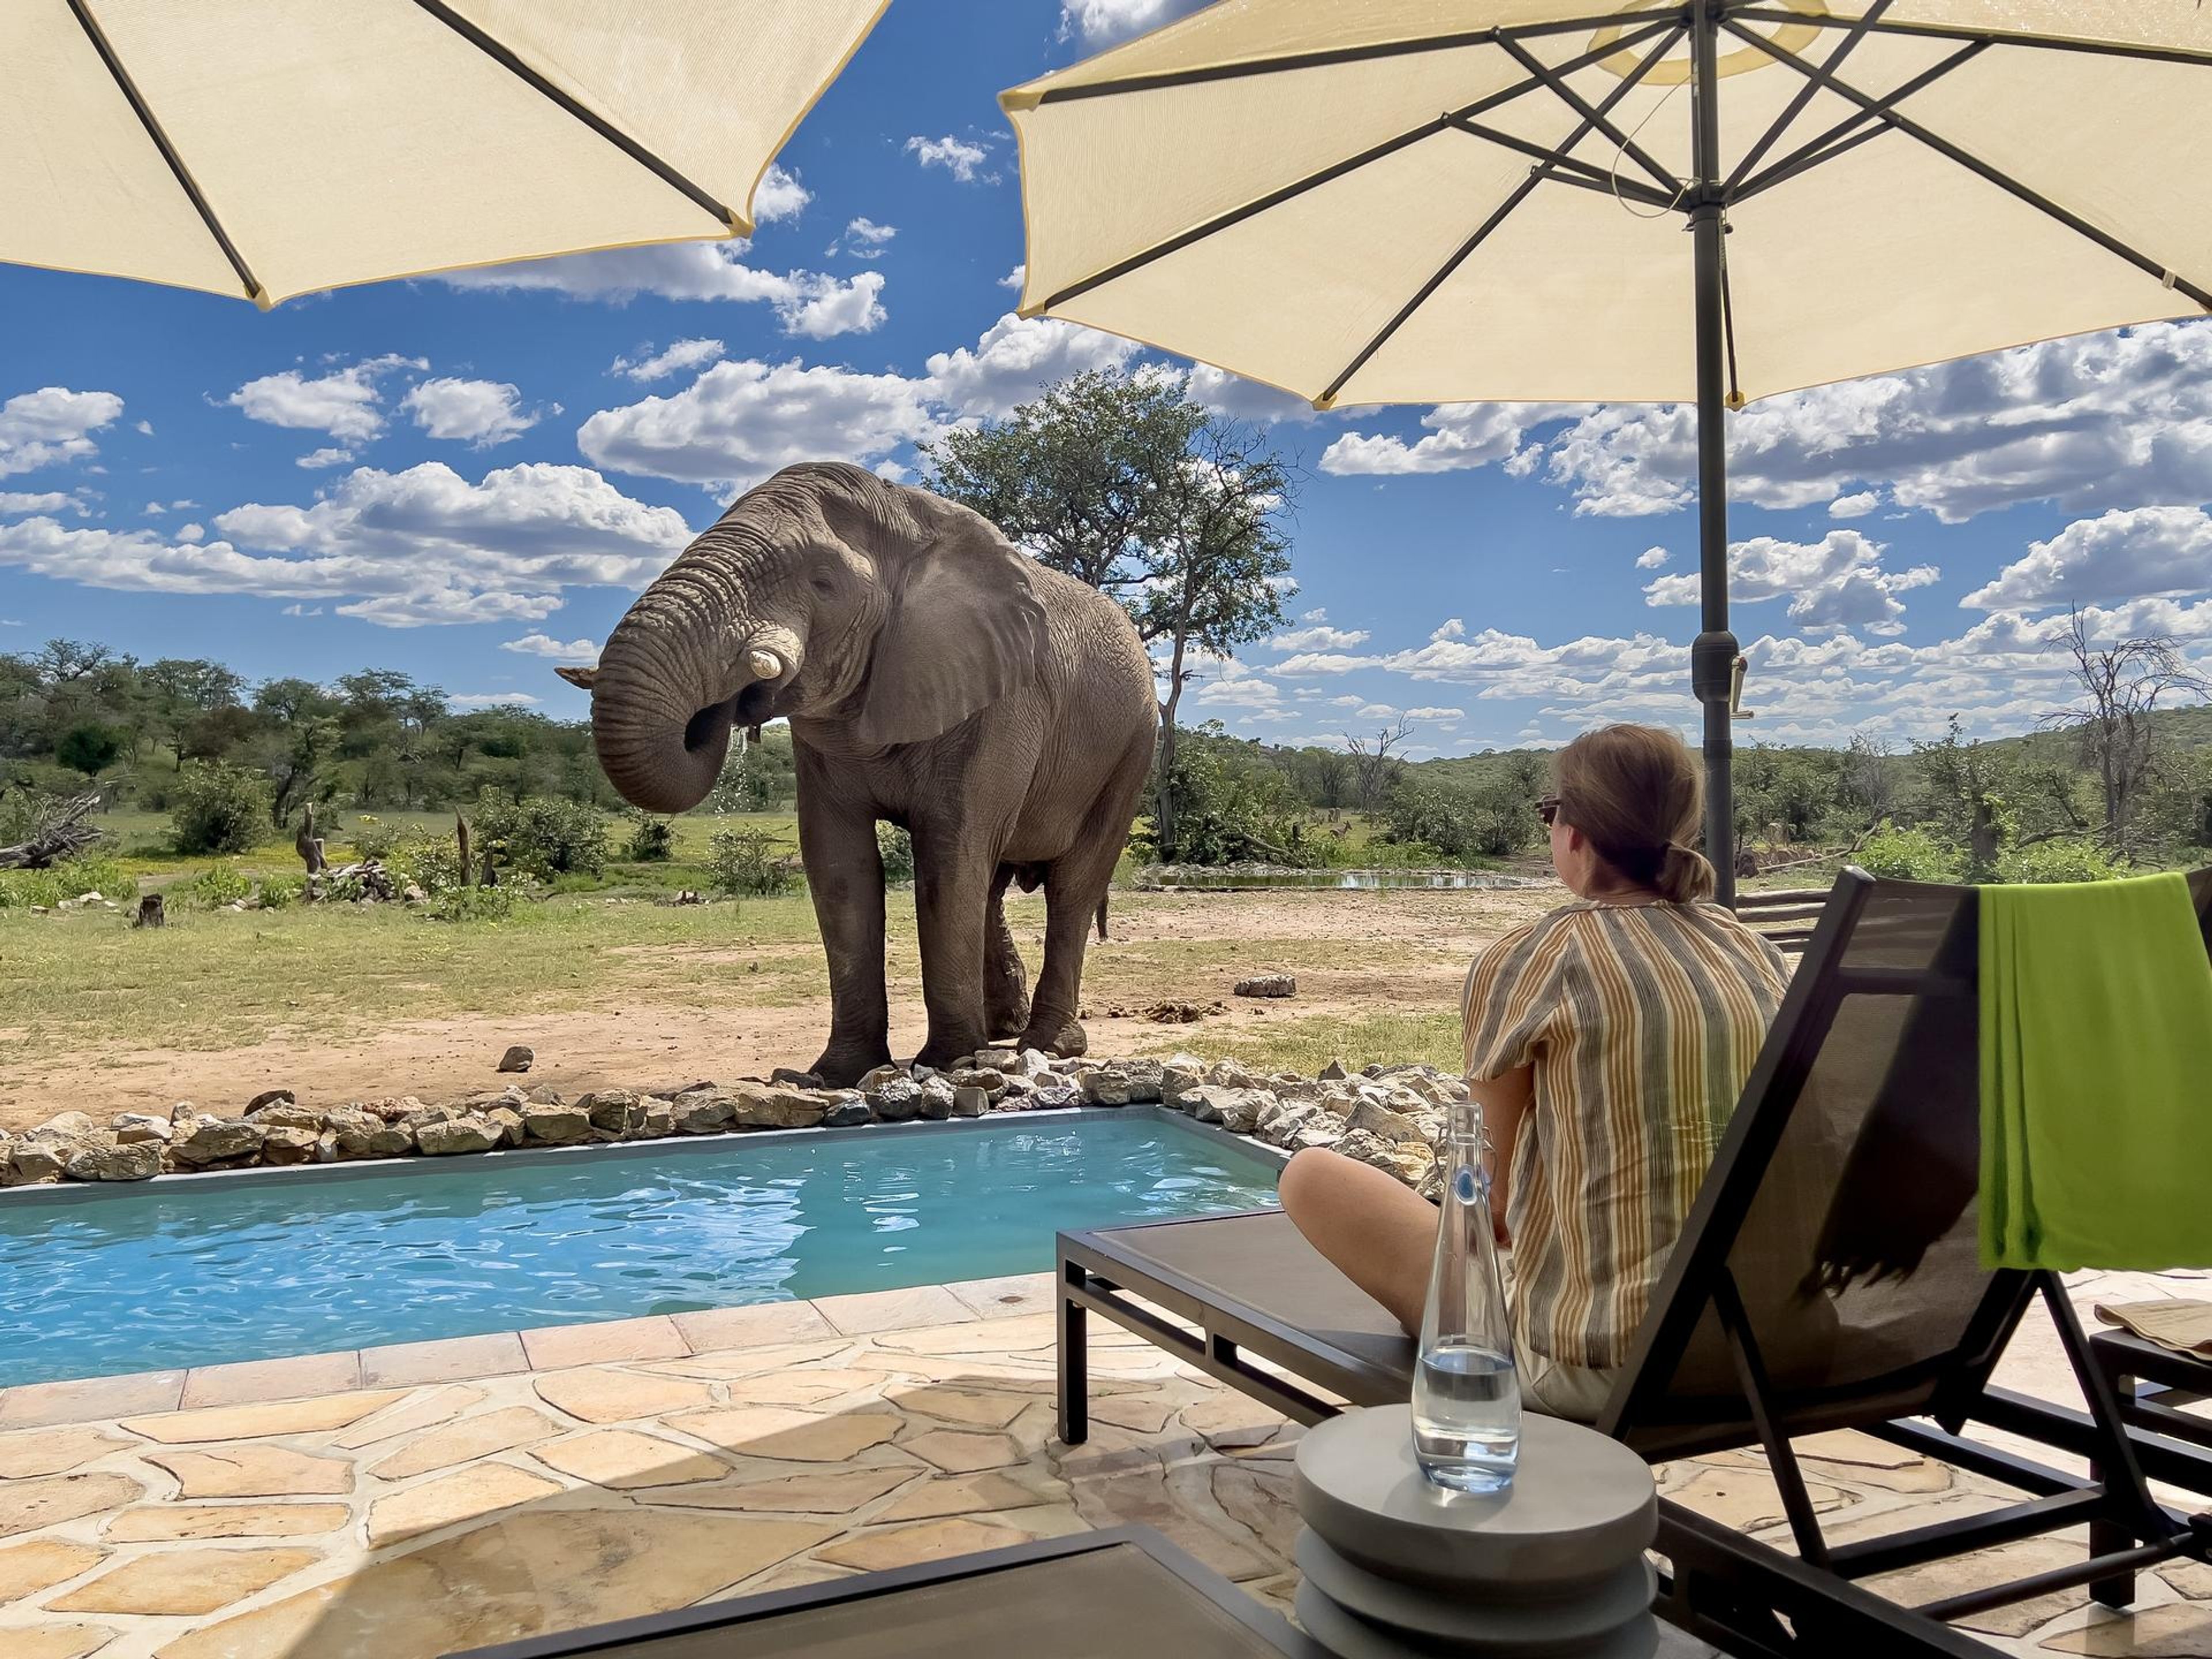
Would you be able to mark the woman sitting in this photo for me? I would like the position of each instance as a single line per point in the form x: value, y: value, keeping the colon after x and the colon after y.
x: 1607, y: 1043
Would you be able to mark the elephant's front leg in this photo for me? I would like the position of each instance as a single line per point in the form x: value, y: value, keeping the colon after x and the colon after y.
x: 845, y: 871
x: 1006, y: 982
x: 952, y: 882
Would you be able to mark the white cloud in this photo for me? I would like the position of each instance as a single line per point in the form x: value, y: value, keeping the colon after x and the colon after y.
x: 836, y: 307
x: 1839, y: 581
x: 46, y: 500
x: 1102, y: 22
x: 479, y: 413
x: 1375, y: 711
x: 2144, y: 552
x: 545, y: 645
x: 1014, y: 278
x: 804, y: 300
x: 1451, y: 629
x: 329, y: 456
x: 192, y: 533
x: 1316, y: 615
x: 741, y: 421
x: 2090, y: 421
x: 1436, y: 713
x: 1854, y: 506
x: 955, y: 155
x: 1319, y: 638
x: 404, y: 549
x: 1246, y: 400
x: 864, y: 239
x: 53, y: 424
x: 145, y: 429
x: 779, y: 196
x: 302, y: 611
x: 650, y: 365
x: 1016, y: 358
x: 1652, y: 557
x: 1460, y: 437
x: 343, y: 402
x: 491, y: 699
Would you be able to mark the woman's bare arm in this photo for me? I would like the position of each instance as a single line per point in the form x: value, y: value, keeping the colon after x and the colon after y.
x: 1504, y: 1101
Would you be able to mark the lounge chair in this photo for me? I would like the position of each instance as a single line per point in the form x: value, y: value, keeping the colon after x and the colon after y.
x: 1828, y: 1278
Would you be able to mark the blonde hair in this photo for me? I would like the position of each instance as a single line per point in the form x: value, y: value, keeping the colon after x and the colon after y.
x: 1634, y: 791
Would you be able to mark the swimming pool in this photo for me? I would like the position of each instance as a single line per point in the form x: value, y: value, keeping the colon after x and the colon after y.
x: 208, y: 1271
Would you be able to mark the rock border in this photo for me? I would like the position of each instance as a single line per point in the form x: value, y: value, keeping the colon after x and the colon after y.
x: 1390, y: 1116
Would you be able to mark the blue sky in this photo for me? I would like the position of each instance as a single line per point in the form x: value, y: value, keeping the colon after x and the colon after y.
x: 469, y: 479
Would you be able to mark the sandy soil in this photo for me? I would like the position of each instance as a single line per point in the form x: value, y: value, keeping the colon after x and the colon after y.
x: 1398, y: 951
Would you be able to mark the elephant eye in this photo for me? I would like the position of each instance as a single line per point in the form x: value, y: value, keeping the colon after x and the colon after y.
x: 824, y: 584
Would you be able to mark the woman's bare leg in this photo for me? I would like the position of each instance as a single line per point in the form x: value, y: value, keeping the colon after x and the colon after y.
x: 1380, y: 1234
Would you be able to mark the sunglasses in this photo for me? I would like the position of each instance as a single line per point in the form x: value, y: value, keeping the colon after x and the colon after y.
x: 1548, y: 810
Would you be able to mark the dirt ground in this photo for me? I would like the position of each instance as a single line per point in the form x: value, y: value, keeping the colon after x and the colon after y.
x: 1357, y: 956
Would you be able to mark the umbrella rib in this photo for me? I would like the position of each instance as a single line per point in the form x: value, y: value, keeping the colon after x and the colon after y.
x: 1578, y: 171
x: 1521, y: 193
x: 185, y: 182
x: 1840, y: 138
x: 1336, y: 56
x: 1298, y: 187
x: 1988, y: 37
x: 1581, y: 107
x: 507, y: 59
x: 1805, y: 95
x: 1992, y: 174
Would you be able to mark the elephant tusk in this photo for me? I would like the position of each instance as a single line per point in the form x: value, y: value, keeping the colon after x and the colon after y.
x: 763, y: 665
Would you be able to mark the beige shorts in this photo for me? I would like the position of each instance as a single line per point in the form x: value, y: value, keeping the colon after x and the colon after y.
x: 1574, y: 1392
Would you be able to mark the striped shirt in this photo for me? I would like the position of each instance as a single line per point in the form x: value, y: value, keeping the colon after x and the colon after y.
x: 1641, y: 1023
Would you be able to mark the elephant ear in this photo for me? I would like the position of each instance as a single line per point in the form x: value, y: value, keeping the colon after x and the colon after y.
x: 964, y: 629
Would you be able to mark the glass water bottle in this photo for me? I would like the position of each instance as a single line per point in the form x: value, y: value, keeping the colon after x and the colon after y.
x: 1467, y: 1399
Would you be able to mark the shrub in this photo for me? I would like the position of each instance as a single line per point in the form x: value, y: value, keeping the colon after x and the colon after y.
x: 1910, y: 855
x: 652, y: 840
x: 1461, y: 824
x: 218, y: 808
x: 217, y: 885
x: 103, y: 876
x: 432, y: 862
x: 2056, y: 861
x: 751, y: 863
x: 895, y: 848
x: 372, y: 838
x: 472, y: 904
x: 21, y: 889
x: 281, y: 892
x: 542, y: 836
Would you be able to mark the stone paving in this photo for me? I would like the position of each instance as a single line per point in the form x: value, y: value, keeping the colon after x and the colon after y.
x: 406, y: 1502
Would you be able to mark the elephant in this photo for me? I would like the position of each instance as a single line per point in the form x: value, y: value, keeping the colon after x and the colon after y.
x: 934, y: 677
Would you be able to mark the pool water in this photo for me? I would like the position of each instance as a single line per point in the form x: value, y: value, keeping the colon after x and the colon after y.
x: 191, y: 1275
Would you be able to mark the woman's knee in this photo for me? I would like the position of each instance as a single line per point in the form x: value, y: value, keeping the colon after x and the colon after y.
x: 1306, y: 1178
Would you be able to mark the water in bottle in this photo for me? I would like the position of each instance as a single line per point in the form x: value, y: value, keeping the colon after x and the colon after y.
x: 1467, y: 1398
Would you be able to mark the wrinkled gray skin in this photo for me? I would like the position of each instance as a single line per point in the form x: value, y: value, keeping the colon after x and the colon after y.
x: 934, y: 677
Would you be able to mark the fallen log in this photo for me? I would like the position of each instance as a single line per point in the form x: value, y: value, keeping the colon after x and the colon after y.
x: 60, y: 834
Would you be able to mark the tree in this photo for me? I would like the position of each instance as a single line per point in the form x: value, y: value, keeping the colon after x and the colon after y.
x: 303, y: 744
x: 90, y: 748
x: 186, y: 690
x: 2121, y: 685
x: 1073, y: 476
x: 1373, y: 769
x: 1129, y: 483
x: 1868, y: 783
x: 64, y: 662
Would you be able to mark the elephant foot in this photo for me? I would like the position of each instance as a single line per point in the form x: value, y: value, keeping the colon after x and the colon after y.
x: 945, y: 1053
x: 842, y: 1066
x: 1065, y: 1038
x: 1007, y: 1019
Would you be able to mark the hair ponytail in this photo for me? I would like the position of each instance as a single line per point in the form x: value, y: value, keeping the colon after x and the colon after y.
x: 1685, y: 876
x: 1635, y: 795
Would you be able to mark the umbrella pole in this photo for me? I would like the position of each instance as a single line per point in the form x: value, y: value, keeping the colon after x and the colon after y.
x: 1712, y: 657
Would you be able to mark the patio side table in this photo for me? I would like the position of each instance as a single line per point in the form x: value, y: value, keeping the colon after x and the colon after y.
x: 2151, y: 1383
x: 1122, y: 1593
x: 1394, y: 1568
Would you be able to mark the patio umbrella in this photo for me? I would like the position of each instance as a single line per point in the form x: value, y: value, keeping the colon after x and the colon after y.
x: 264, y: 148
x: 1405, y: 201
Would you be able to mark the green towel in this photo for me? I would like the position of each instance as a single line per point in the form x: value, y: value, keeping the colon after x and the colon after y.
x: 2096, y: 1077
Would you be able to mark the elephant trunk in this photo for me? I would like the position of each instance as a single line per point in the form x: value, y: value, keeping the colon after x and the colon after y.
x: 678, y: 671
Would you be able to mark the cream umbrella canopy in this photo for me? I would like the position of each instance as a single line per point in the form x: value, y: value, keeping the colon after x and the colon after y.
x: 265, y: 149
x: 1431, y: 201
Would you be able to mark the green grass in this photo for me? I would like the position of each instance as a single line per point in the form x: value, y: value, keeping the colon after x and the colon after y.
x: 210, y: 980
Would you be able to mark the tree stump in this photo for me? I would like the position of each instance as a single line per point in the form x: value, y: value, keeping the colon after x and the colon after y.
x: 308, y: 844
x: 150, y: 913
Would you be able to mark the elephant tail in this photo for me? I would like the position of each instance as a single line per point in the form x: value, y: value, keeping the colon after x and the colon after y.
x: 1102, y: 918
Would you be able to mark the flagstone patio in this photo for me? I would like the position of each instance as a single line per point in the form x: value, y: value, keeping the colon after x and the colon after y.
x: 406, y: 1502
